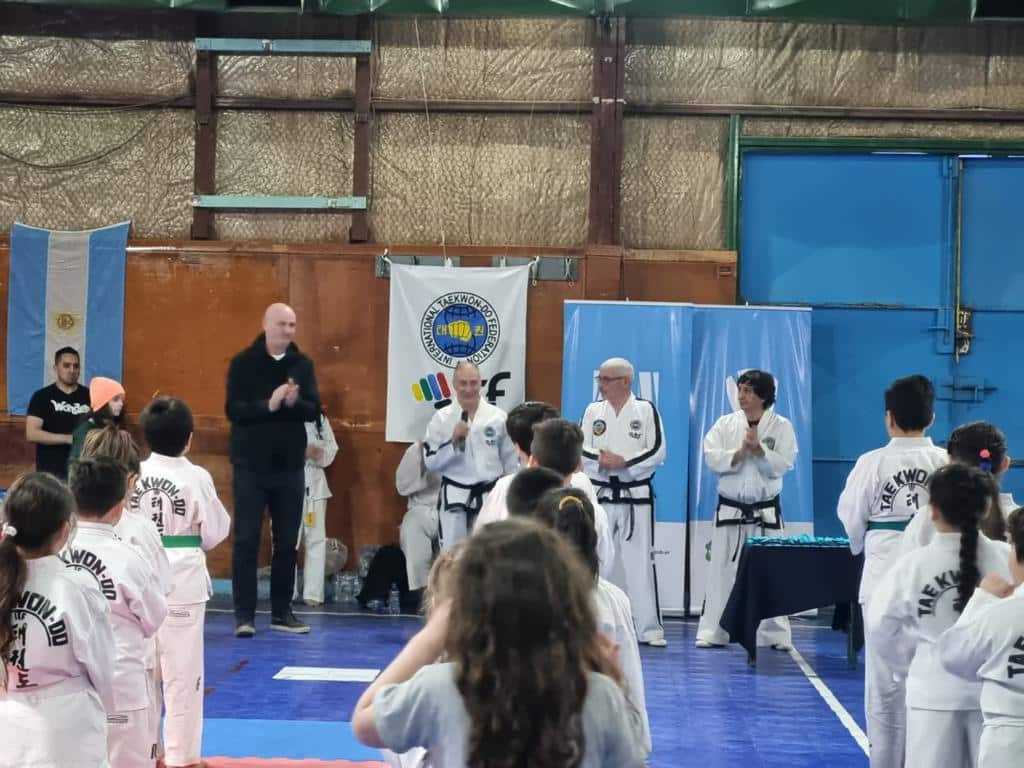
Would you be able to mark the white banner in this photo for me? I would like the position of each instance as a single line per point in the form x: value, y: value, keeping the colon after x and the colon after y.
x: 440, y: 316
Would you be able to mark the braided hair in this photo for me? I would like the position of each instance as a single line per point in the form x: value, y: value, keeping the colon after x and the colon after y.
x: 961, y: 495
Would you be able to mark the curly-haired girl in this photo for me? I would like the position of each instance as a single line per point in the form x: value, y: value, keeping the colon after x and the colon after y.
x: 529, y: 681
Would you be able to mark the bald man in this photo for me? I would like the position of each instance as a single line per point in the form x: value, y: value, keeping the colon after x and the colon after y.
x: 622, y: 447
x: 271, y: 394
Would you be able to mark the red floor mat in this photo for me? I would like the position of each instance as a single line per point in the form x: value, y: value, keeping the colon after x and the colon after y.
x: 263, y: 762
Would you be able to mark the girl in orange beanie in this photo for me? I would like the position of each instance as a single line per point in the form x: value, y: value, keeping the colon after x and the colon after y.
x: 106, y: 403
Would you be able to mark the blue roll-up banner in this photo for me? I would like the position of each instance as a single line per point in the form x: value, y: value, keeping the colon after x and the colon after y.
x: 687, y: 359
x: 726, y: 342
x: 656, y: 339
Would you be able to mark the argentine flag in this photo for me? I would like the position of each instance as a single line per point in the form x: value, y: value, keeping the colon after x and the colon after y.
x: 66, y: 289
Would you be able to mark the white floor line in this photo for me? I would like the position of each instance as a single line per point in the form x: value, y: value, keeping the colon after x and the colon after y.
x: 833, y: 703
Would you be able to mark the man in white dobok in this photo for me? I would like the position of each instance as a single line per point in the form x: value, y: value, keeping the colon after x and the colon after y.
x: 750, y: 450
x: 468, y: 446
x: 623, y: 444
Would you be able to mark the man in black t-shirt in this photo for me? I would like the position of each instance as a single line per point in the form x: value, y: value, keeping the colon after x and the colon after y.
x: 54, y: 412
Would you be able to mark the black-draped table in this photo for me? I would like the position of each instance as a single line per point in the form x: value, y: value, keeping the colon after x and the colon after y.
x: 781, y: 579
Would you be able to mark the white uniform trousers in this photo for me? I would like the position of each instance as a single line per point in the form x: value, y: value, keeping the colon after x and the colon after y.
x: 943, y: 738
x: 453, y: 527
x: 130, y: 742
x: 313, y: 535
x: 885, y: 710
x: 418, y: 537
x: 1001, y: 746
x: 726, y: 545
x: 60, y: 726
x: 634, y: 571
x: 181, y: 653
x: 156, y: 707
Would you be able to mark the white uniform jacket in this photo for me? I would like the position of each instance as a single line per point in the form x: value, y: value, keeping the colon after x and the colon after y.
x: 884, y: 490
x: 180, y: 499
x: 140, y: 531
x: 913, y: 605
x: 636, y: 435
x: 419, y: 487
x: 748, y: 492
x: 137, y: 604
x: 468, y: 475
x: 987, y: 644
x: 615, y: 621
x: 62, y: 633
x: 316, y: 479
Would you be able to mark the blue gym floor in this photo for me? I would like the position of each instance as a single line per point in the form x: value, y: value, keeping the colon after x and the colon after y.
x: 707, y: 708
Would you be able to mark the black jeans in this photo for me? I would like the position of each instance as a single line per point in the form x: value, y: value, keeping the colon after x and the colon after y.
x: 282, y: 494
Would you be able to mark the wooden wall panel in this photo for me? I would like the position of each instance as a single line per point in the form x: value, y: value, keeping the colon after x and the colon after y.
x: 187, y: 316
x: 700, y: 277
x: 342, y: 312
x: 544, y: 335
x: 16, y: 455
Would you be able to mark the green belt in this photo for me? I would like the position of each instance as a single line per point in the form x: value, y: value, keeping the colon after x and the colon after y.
x: 895, y: 525
x: 182, y: 542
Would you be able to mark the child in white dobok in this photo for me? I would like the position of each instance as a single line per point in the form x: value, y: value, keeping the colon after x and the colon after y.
x: 987, y: 644
x: 321, y: 448
x: 978, y: 444
x: 182, y: 501
x: 55, y: 637
x: 138, y: 605
x: 885, y: 489
x: 139, y: 531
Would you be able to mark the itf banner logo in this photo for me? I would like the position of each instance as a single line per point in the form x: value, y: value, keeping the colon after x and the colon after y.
x: 726, y: 342
x: 440, y: 316
x: 656, y: 339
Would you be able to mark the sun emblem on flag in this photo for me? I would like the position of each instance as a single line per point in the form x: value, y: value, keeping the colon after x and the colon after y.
x: 65, y: 321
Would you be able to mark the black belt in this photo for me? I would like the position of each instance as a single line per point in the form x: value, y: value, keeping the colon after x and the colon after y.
x: 472, y: 505
x: 617, y: 487
x: 750, y: 516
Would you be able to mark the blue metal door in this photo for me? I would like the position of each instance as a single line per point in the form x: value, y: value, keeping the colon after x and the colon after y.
x: 868, y: 241
x: 990, y: 368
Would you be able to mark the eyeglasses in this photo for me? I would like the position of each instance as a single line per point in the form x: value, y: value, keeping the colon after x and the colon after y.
x: 608, y: 379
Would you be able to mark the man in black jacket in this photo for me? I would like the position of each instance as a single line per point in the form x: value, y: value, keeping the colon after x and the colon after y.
x: 271, y: 394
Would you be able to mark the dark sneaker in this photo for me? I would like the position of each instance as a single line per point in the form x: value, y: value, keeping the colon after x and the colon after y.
x: 288, y: 623
x: 245, y: 629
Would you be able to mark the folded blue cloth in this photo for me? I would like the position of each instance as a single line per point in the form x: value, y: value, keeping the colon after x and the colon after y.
x: 797, y: 541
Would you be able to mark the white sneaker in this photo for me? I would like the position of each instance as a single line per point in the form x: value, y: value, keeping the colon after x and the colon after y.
x: 708, y: 644
x: 659, y: 642
x: 783, y: 647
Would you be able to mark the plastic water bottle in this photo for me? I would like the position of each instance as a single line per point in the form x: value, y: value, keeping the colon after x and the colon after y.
x: 394, y: 601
